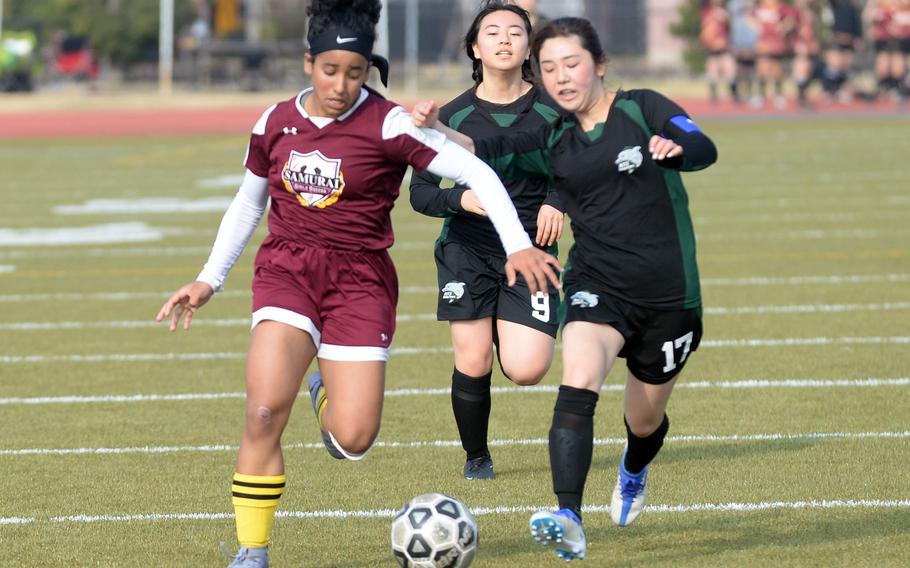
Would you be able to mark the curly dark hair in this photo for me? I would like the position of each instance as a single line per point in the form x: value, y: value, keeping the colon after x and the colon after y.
x: 360, y: 16
x: 470, y: 38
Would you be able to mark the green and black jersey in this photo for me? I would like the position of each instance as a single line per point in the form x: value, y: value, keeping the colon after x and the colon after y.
x: 481, y: 119
x: 630, y: 216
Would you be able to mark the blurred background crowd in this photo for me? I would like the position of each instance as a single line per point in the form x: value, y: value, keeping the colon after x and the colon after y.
x: 754, y: 52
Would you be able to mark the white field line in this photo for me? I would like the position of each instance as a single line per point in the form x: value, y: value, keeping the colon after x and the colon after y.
x: 7, y: 268
x: 245, y: 322
x: 711, y: 438
x: 401, y: 351
x: 750, y: 281
x: 744, y: 384
x: 815, y: 504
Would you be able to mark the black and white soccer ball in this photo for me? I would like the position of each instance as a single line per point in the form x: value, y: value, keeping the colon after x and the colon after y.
x: 434, y: 531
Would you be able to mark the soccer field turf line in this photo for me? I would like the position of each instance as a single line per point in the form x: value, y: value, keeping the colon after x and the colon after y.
x: 512, y: 442
x: 477, y: 511
x: 406, y: 318
x: 757, y: 281
x: 531, y: 389
x: 404, y: 351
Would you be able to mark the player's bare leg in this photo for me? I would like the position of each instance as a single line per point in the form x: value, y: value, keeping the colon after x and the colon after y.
x: 524, y: 352
x: 353, y: 409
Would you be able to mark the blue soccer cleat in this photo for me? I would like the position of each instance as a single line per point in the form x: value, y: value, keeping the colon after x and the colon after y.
x: 317, y: 394
x: 562, y: 527
x: 628, y: 495
x: 251, y: 558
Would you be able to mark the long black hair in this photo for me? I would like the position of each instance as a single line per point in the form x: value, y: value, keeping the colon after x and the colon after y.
x: 568, y: 27
x: 470, y: 38
x: 359, y: 16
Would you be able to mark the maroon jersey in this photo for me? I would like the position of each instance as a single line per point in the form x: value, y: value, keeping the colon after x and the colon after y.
x: 776, y: 23
x: 715, y: 28
x: 899, y: 26
x: 334, y: 187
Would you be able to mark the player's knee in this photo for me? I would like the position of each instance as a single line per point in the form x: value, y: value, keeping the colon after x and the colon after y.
x: 261, y: 418
x: 474, y: 364
x: 356, y: 440
x: 524, y: 376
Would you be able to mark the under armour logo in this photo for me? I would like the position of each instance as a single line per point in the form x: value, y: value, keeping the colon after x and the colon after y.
x: 290, y: 130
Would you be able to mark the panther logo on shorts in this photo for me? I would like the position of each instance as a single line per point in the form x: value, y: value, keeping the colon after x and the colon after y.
x: 453, y: 291
x: 313, y: 178
x: 584, y: 299
x: 629, y: 159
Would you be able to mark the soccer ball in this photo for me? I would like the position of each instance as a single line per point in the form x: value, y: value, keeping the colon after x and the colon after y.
x: 434, y: 531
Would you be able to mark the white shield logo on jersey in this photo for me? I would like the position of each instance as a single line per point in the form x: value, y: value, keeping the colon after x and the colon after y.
x: 584, y: 299
x: 313, y: 178
x: 453, y: 291
x: 629, y: 159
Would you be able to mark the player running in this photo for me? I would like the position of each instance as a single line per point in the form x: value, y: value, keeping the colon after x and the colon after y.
x: 631, y: 283
x: 474, y: 296
x: 331, y: 159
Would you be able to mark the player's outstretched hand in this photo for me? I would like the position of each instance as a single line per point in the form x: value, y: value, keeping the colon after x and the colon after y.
x: 471, y: 204
x: 425, y: 114
x: 536, y: 267
x: 184, y: 302
x: 549, y: 225
x: 662, y: 148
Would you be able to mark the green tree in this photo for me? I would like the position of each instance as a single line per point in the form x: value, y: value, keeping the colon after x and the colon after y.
x: 120, y: 31
x: 688, y: 27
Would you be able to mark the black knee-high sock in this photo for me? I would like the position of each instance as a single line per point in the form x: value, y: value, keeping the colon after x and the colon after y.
x: 471, y: 405
x: 571, y: 445
x: 642, y: 450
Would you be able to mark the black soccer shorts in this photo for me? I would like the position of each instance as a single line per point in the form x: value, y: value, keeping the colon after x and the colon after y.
x: 472, y: 285
x: 658, y: 343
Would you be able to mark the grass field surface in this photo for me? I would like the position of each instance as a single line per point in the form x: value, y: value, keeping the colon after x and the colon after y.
x: 790, y: 429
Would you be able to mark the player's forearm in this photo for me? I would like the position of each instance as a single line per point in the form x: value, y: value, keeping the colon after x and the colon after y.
x: 237, y: 227
x: 462, y: 140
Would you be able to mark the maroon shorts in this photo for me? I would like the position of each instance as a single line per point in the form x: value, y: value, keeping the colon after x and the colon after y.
x: 344, y: 300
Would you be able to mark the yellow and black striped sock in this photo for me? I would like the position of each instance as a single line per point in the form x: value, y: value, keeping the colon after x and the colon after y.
x: 320, y: 407
x: 255, y: 499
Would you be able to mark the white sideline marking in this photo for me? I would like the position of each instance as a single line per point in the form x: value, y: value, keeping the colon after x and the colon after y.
x: 752, y: 281
x: 93, y: 234
x: 244, y: 322
x: 7, y: 268
x: 457, y: 443
x: 401, y: 351
x: 745, y: 384
x: 478, y: 511
x: 232, y: 180
x: 147, y: 205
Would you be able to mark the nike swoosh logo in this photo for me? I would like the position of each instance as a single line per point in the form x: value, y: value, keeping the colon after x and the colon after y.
x: 340, y: 40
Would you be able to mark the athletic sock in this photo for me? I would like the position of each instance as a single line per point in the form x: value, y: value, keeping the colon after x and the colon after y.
x: 471, y: 405
x: 571, y: 445
x: 255, y: 499
x: 641, y: 451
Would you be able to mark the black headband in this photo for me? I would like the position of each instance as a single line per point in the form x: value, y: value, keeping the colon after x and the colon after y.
x: 342, y: 38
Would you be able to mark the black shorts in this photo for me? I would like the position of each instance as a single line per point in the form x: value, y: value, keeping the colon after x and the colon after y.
x: 658, y: 343
x: 473, y: 285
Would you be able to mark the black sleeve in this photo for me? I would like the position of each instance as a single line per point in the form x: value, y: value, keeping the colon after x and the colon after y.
x: 553, y: 200
x: 699, y: 151
x: 430, y: 199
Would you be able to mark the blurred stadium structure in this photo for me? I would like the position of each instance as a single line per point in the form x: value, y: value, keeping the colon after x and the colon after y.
x: 258, y: 44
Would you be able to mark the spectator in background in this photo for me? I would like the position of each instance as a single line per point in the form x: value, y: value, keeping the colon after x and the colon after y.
x: 846, y: 38
x: 776, y: 24
x: 743, y: 38
x: 900, y: 30
x: 878, y: 16
x: 715, y: 38
x: 806, y: 47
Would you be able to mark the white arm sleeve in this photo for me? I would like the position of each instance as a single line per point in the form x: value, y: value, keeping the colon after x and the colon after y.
x: 236, y: 229
x: 456, y: 163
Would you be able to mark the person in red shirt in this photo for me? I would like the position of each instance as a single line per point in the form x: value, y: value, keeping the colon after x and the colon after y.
x: 899, y: 30
x: 715, y: 38
x: 776, y: 23
x: 331, y: 160
x: 806, y: 47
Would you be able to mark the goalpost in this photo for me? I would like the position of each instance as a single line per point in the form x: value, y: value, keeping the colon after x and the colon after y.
x: 165, y: 47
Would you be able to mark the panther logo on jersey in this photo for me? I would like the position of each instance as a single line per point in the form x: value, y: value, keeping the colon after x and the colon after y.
x: 453, y: 291
x: 629, y: 159
x: 313, y: 178
x: 584, y: 299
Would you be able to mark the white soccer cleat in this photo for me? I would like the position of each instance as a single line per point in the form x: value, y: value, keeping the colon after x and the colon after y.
x: 628, y: 495
x: 562, y: 527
